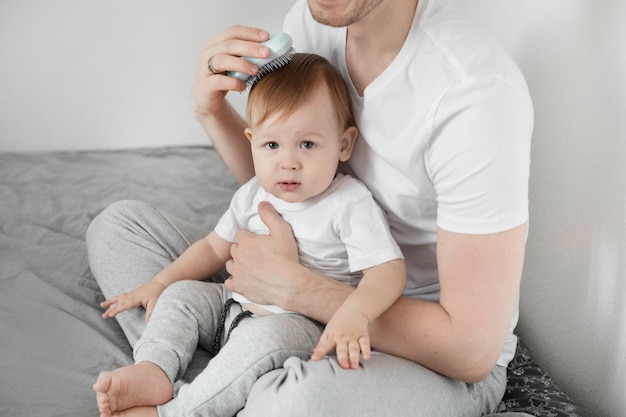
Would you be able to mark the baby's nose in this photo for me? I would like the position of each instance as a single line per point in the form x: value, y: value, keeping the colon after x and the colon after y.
x: 290, y: 163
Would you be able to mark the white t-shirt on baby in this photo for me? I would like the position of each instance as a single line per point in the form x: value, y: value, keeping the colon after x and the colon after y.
x: 339, y: 232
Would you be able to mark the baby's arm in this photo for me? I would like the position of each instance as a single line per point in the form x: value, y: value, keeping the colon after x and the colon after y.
x: 201, y: 260
x: 347, y: 330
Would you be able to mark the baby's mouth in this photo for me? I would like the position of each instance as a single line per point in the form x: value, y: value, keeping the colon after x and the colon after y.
x: 289, y: 185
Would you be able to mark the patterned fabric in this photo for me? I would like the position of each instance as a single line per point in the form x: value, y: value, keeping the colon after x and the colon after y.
x: 530, y: 390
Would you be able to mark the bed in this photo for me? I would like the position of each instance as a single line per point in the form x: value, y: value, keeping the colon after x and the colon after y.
x: 53, y: 342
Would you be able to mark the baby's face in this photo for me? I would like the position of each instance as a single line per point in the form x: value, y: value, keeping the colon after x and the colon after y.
x: 296, y: 158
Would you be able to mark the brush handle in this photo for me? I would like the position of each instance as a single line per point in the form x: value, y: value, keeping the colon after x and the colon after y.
x: 279, y: 44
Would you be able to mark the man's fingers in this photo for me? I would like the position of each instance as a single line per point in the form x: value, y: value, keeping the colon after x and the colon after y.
x: 273, y: 220
x: 243, y: 32
x: 240, y: 235
x: 226, y: 49
x: 229, y: 283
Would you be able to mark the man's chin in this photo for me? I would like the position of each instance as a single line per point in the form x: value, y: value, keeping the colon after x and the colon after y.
x: 329, y: 15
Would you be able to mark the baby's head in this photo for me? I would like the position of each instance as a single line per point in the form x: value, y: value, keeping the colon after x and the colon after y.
x: 285, y: 89
x: 301, y: 127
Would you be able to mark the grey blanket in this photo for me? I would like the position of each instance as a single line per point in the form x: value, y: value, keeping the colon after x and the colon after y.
x: 53, y: 342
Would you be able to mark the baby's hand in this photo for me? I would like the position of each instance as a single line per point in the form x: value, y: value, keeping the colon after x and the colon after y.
x: 346, y: 332
x: 144, y: 296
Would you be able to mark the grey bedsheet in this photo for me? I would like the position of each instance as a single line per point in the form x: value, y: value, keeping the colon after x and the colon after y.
x: 53, y: 342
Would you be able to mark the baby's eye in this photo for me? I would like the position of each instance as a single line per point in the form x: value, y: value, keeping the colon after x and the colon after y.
x: 307, y: 144
x: 271, y: 145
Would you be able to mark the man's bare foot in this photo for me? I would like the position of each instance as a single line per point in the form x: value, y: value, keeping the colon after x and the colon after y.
x: 142, y: 384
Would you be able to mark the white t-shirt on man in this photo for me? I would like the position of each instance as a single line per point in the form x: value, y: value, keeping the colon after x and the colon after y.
x: 444, y: 135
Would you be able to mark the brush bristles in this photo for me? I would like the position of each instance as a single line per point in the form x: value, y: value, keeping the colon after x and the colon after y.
x: 274, y: 64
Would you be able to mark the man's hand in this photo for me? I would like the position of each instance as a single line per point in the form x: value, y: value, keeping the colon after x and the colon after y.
x: 145, y: 296
x: 347, y: 333
x: 260, y: 264
x: 225, y: 51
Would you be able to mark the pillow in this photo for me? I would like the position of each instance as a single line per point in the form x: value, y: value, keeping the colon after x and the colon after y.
x: 531, y: 390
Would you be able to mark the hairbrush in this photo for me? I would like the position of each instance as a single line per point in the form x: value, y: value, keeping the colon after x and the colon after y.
x: 281, y: 52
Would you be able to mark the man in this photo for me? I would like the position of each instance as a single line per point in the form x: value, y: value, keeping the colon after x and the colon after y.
x: 445, y: 120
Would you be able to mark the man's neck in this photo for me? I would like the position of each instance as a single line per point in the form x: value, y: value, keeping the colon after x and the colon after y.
x: 374, y: 41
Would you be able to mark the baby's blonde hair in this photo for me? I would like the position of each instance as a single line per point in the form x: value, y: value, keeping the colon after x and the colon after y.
x: 285, y: 89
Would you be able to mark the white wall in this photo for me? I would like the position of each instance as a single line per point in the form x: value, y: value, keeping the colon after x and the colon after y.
x: 573, y: 53
x: 77, y: 74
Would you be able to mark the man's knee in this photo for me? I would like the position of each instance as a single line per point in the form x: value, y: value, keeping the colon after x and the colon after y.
x: 300, y: 388
x: 120, y: 210
x: 114, y: 214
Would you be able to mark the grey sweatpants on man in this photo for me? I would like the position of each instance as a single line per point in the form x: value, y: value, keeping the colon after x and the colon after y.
x: 130, y: 242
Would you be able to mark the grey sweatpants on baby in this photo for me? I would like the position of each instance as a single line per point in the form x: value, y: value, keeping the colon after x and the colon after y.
x: 188, y: 314
x: 130, y: 242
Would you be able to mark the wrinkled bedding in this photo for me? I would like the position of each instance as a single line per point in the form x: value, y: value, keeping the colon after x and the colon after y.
x: 53, y: 342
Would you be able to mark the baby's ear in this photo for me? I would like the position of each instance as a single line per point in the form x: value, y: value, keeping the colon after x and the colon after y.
x: 347, y: 143
x: 248, y: 133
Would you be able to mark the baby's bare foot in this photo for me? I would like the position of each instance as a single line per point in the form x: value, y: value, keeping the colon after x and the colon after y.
x: 143, y: 384
x: 138, y: 412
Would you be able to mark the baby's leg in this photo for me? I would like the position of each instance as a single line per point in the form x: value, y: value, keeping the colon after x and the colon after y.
x: 187, y: 312
x: 256, y: 346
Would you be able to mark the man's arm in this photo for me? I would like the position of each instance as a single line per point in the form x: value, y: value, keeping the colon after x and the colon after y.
x: 225, y: 129
x: 208, y: 103
x: 460, y: 337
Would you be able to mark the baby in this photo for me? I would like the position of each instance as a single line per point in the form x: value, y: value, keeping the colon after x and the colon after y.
x: 300, y: 128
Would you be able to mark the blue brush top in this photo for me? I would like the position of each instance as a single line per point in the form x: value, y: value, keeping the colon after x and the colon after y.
x: 281, y: 52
